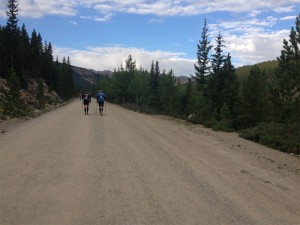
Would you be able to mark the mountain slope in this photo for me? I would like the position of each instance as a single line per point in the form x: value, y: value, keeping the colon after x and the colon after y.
x: 86, y: 78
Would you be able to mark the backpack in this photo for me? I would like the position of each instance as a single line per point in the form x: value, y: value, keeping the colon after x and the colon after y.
x: 86, y: 97
x: 101, y: 97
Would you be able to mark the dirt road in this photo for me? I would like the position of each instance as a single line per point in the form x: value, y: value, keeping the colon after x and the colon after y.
x: 125, y: 168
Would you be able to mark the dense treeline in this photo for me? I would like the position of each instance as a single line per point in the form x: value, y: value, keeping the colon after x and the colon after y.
x: 262, y: 107
x: 25, y: 57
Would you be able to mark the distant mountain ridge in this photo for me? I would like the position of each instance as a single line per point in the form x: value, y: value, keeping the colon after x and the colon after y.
x: 84, y: 79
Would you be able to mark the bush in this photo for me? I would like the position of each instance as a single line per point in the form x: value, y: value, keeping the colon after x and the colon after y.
x: 275, y: 135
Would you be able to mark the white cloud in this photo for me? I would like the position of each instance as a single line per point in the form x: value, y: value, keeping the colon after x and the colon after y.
x: 254, y: 48
x: 97, y: 18
x: 251, y: 41
x: 286, y: 9
x: 40, y: 8
x: 288, y: 18
x: 111, y: 57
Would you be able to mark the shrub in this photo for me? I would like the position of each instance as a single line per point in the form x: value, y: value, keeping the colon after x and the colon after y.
x: 275, y: 135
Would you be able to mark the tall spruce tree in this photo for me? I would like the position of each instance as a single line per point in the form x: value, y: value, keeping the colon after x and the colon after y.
x: 12, y: 12
x: 216, y: 80
x: 167, y: 91
x: 286, y: 88
x: 229, y: 86
x: 139, y: 87
x: 130, y: 71
x: 202, y: 67
x: 218, y: 58
x: 255, y: 107
x: 12, y: 27
x: 154, y: 85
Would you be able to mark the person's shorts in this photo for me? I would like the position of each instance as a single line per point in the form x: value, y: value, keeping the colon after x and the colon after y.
x: 86, y: 101
x: 101, y: 103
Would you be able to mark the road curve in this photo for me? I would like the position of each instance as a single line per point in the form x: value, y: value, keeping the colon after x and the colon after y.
x: 126, y: 168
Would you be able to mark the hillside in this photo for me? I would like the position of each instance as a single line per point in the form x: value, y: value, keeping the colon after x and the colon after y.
x: 86, y: 78
x: 268, y: 66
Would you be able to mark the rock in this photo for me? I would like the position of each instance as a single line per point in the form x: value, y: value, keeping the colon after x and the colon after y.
x: 191, y: 116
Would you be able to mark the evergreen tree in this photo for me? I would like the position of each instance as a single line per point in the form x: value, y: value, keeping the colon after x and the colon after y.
x: 229, y: 88
x: 154, y: 85
x: 130, y: 64
x: 12, y: 12
x: 202, y: 68
x: 65, y: 85
x: 285, y: 90
x: 216, y: 79
x: 167, y: 91
x: 187, y: 96
x: 12, y: 27
x: 130, y: 72
x: 24, y: 56
x: 139, y: 87
x: 1, y: 50
x: 255, y: 107
x: 222, y: 88
x: 36, y: 49
x: 118, y: 85
x: 121, y: 80
x: 218, y: 58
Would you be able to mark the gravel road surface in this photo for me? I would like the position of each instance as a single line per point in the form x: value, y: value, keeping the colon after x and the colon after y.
x: 126, y: 168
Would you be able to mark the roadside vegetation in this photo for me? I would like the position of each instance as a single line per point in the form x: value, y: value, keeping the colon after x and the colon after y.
x: 261, y: 102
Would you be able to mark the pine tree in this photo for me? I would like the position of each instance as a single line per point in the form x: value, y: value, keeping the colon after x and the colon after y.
x: 130, y: 64
x: 216, y: 79
x: 255, y: 107
x: 154, y: 85
x: 24, y: 56
x: 1, y: 50
x: 202, y: 68
x: 65, y: 85
x: 229, y: 88
x: 139, y: 87
x: 188, y: 93
x: 217, y: 59
x: 286, y: 88
x: 167, y: 90
x: 12, y: 27
x: 12, y: 12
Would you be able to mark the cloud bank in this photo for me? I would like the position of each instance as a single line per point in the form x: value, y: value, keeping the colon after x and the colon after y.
x: 111, y: 57
x: 249, y: 40
x: 105, y: 9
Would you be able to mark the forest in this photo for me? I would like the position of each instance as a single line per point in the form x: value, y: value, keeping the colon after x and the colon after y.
x: 261, y: 105
x: 24, y: 59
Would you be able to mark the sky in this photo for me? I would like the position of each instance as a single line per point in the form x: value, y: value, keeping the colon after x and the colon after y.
x: 101, y: 34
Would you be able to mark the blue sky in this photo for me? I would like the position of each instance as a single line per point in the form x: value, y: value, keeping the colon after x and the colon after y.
x: 100, y: 34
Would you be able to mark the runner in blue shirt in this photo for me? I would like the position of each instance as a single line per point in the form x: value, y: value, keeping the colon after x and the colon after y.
x: 100, y: 99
